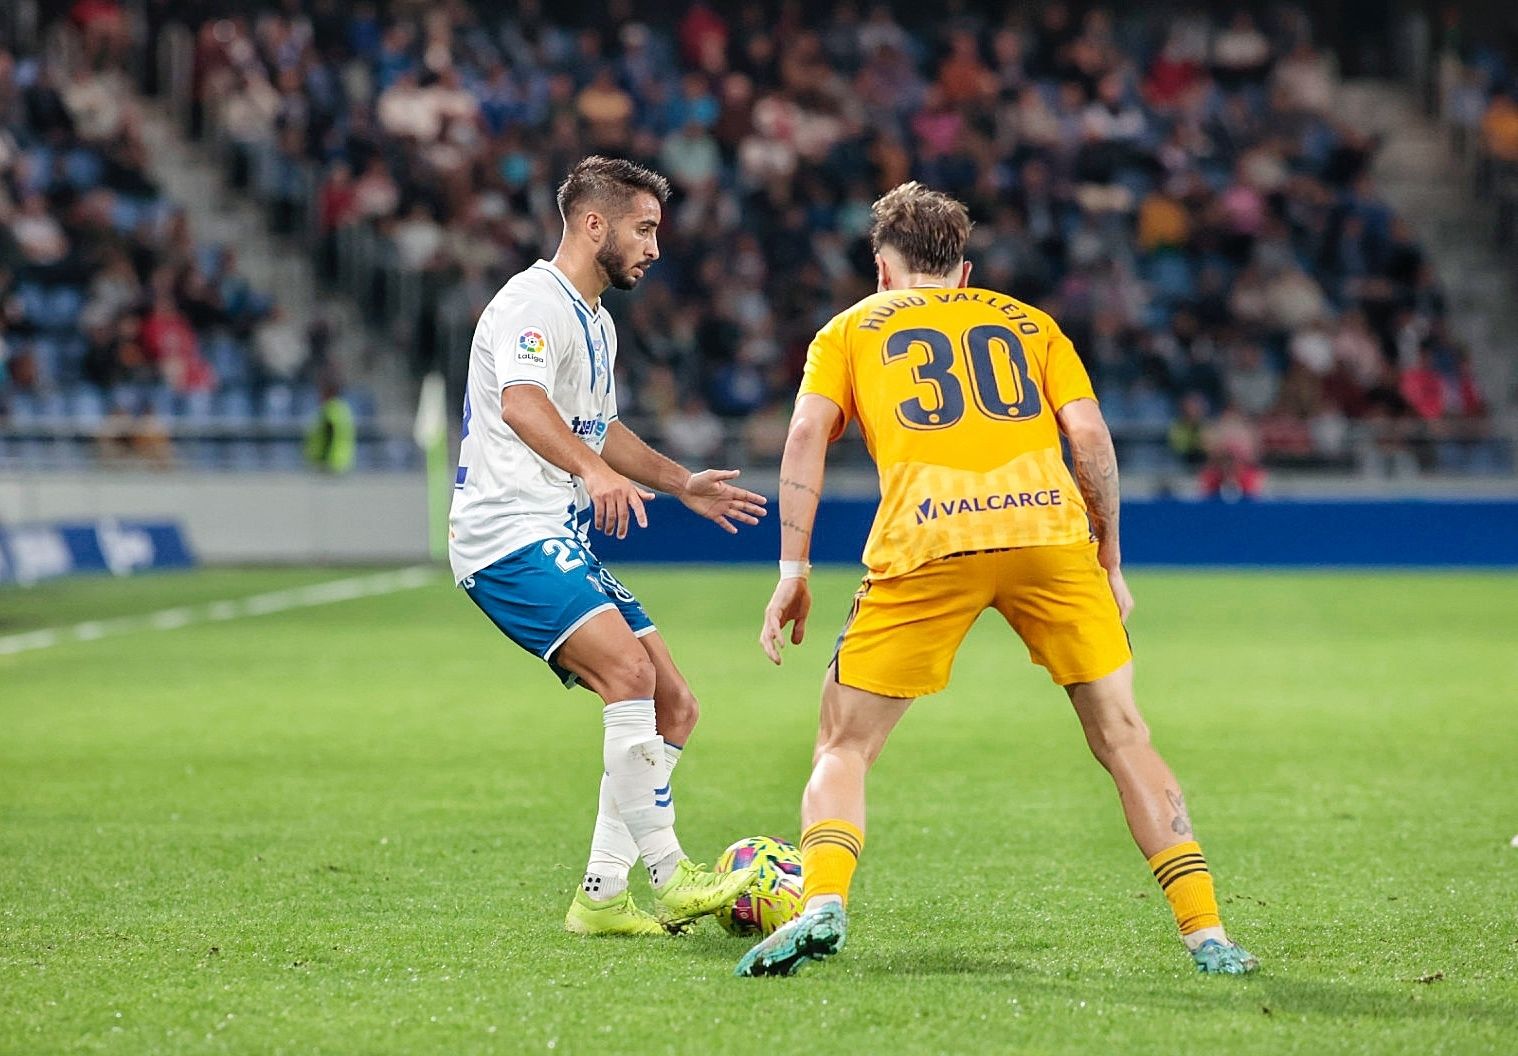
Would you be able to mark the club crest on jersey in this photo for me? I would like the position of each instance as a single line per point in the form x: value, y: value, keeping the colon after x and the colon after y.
x: 932, y: 509
x: 598, y: 356
x: 531, y: 344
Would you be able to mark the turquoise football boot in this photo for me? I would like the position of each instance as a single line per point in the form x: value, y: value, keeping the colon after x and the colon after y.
x: 815, y: 935
x: 1216, y: 958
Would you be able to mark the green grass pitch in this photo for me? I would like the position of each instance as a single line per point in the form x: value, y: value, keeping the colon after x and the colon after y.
x: 356, y: 828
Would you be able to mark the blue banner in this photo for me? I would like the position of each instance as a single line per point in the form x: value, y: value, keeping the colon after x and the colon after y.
x: 1342, y: 533
x: 30, y: 553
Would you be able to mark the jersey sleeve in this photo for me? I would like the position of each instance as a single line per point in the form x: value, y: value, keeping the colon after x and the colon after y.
x: 522, y: 339
x: 1065, y: 377
x: 827, y: 370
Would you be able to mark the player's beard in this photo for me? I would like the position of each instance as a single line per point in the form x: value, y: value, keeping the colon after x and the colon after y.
x: 609, y: 258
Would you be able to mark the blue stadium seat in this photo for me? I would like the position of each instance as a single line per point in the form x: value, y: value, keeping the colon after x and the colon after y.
x: 41, y: 159
x: 86, y: 406
x: 228, y: 360
x: 235, y: 405
x: 1171, y: 276
x: 192, y: 407
x: 399, y: 452
x: 23, y: 407
x: 127, y: 213
x: 1148, y: 456
x: 1150, y: 407
x: 50, y: 406
x: 362, y: 402
x: 306, y: 403
x: 83, y: 168
x: 47, y: 350
x: 161, y: 401
x: 278, y: 404
x: 62, y: 306
x: 32, y: 300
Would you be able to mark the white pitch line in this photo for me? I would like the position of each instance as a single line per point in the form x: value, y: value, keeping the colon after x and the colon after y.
x: 327, y: 593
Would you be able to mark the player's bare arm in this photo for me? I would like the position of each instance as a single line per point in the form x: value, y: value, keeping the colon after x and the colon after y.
x: 616, y: 499
x: 708, y: 492
x: 1095, y: 463
x: 802, y: 467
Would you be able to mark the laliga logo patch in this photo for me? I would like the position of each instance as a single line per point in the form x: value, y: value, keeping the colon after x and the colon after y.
x: 531, y: 345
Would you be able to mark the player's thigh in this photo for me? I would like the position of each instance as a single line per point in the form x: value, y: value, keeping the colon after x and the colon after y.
x: 855, y: 719
x: 675, y: 707
x: 617, y: 593
x: 1058, y: 600
x: 604, y: 655
x: 1107, y: 710
x: 903, y: 633
x: 540, y: 595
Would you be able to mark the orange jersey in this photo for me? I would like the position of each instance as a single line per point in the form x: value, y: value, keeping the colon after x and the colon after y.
x: 956, y: 392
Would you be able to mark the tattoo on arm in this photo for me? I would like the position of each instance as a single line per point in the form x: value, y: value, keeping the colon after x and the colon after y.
x: 1096, y: 473
x: 1181, y: 823
x: 800, y: 485
x: 793, y: 526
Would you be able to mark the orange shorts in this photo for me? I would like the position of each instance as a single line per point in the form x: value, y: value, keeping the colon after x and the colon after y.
x: 903, y: 633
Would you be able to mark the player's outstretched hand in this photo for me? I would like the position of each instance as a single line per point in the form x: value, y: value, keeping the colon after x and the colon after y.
x: 617, y: 502
x: 710, y: 495
x: 791, y: 601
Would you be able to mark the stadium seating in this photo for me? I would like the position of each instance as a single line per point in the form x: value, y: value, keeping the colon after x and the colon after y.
x: 87, y: 241
x: 1173, y: 191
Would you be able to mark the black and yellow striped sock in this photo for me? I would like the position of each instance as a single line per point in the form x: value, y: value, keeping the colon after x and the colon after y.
x: 829, y: 852
x: 1184, y: 877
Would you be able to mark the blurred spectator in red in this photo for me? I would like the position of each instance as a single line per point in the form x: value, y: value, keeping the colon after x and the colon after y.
x: 1466, y: 397
x: 1232, y: 445
x: 703, y: 37
x: 171, y: 345
x: 105, y: 29
x: 1423, y: 388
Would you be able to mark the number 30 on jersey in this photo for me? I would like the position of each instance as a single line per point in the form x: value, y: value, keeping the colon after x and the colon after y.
x: 985, y: 348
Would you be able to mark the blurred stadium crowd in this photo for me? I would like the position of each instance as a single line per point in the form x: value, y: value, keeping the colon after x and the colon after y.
x: 1178, y: 192
x: 118, y: 326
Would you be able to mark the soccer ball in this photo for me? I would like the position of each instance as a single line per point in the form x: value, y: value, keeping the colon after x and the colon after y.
x: 777, y: 899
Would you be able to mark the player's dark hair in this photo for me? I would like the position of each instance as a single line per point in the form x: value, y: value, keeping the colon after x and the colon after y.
x: 928, y: 228
x: 610, y: 183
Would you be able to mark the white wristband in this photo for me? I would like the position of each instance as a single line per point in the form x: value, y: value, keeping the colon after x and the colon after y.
x: 795, y: 569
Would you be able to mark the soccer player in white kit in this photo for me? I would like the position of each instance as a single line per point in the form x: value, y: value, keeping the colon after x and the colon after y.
x: 542, y: 458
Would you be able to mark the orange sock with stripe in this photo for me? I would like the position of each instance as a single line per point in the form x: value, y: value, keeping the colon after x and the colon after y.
x: 829, y: 853
x: 1184, y: 877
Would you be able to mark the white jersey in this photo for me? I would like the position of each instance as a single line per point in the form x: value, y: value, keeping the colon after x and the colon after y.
x: 538, y: 331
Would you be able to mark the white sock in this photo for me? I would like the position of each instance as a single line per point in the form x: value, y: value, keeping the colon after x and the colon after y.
x: 818, y: 901
x: 659, y: 872
x: 613, y: 851
x: 637, y: 774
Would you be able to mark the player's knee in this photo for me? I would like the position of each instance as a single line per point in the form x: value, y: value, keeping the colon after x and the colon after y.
x: 678, y: 712
x: 629, y: 676
x: 850, y: 745
x: 1115, y: 734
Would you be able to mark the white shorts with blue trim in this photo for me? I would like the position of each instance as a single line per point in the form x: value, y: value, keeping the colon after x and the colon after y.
x: 541, y: 594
